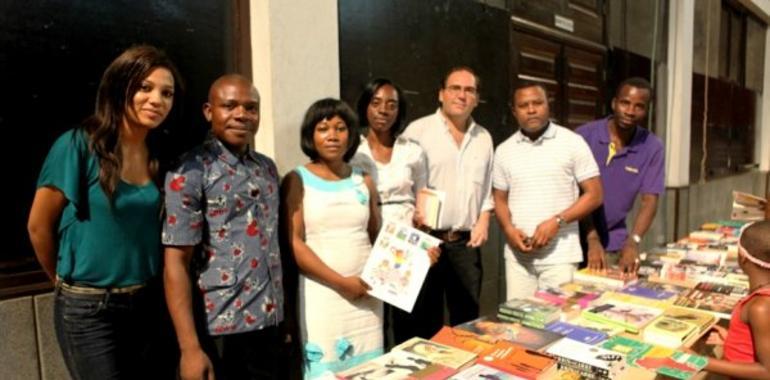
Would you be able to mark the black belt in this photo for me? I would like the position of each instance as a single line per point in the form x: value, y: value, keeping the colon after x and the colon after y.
x: 450, y: 236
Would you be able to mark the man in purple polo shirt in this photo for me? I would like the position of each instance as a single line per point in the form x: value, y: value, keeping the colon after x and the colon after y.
x: 630, y: 160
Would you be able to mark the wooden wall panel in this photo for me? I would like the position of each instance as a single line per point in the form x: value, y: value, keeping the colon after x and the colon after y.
x: 583, y: 94
x: 587, y: 15
x: 572, y: 75
x: 415, y: 42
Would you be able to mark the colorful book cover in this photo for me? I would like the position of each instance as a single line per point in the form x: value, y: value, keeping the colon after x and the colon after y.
x: 669, y: 332
x: 629, y: 316
x: 662, y: 360
x: 463, y: 339
x: 702, y: 320
x: 612, y: 277
x: 395, y: 365
x: 435, y: 352
x: 720, y: 305
x: 492, y: 330
x: 519, y: 361
x: 482, y: 372
x: 590, y: 361
x: 674, y: 364
x: 722, y: 288
x: 584, y: 287
x: 502, y: 316
x: 650, y: 290
x: 611, y: 296
x: 433, y: 372
x: 631, y: 349
x: 609, y: 329
x: 530, y: 309
x: 565, y: 298
x: 398, y: 264
x: 575, y: 332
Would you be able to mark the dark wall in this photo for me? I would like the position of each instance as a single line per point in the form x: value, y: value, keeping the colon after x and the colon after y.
x: 415, y: 42
x: 587, y: 16
x: 52, y: 56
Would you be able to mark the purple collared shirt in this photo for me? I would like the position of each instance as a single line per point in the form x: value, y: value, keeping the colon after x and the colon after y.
x: 635, y: 169
x: 229, y: 205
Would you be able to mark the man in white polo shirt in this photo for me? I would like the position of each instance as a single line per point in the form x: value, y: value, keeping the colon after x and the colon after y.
x: 459, y: 153
x: 538, y: 176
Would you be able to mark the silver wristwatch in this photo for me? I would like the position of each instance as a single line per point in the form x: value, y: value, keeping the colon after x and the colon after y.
x: 636, y: 238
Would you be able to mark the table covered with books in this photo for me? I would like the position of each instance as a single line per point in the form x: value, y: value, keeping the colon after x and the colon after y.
x: 603, y: 325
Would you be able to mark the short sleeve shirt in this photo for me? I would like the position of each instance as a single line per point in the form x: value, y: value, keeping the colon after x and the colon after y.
x: 229, y: 205
x: 541, y: 178
x: 637, y: 168
x: 101, y: 244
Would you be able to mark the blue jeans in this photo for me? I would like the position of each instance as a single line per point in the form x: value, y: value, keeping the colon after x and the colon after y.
x: 107, y: 336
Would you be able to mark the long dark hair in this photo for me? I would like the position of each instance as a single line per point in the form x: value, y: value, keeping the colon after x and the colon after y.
x: 120, y: 81
x: 366, y: 97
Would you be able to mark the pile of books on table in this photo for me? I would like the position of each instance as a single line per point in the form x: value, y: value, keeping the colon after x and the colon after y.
x: 603, y: 325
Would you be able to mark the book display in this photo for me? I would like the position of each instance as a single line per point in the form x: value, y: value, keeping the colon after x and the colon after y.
x: 603, y: 325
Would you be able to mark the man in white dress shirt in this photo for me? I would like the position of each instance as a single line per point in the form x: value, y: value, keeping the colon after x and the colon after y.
x: 539, y: 174
x: 459, y: 154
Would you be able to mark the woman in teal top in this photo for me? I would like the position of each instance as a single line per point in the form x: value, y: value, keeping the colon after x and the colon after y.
x: 95, y: 219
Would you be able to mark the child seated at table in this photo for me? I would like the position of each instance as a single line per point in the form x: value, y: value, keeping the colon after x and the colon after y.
x: 747, y: 341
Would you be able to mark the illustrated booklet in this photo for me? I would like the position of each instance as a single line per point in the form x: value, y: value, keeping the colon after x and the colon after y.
x: 398, y: 264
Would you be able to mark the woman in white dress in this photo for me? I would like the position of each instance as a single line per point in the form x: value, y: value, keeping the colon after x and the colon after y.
x: 399, y: 169
x: 332, y: 219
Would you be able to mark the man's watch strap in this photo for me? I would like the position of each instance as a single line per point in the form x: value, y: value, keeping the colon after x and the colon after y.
x: 560, y: 221
x: 636, y: 238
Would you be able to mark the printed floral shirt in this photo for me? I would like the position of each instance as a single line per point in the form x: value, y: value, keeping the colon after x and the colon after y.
x: 229, y: 205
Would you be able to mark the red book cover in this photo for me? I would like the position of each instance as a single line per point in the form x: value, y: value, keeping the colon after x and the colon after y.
x: 518, y: 360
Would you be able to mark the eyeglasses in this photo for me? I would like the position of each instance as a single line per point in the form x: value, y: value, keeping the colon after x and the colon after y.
x: 456, y: 89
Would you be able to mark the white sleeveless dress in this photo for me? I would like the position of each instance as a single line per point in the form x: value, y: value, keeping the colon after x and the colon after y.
x: 337, y: 334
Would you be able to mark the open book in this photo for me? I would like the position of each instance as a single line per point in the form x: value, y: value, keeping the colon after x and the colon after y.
x: 748, y: 207
x: 398, y: 264
x: 429, y: 205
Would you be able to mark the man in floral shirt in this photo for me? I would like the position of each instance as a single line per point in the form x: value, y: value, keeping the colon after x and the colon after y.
x: 222, y: 217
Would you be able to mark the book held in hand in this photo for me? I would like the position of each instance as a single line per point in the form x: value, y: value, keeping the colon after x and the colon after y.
x: 429, y: 206
x: 398, y: 264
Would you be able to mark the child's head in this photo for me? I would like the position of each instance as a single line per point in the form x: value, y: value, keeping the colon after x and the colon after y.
x: 754, y: 246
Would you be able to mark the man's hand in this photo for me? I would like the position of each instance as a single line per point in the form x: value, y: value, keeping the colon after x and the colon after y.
x: 352, y: 288
x: 519, y: 241
x: 433, y: 254
x: 479, y: 233
x: 544, y: 232
x: 597, y: 260
x: 629, y: 257
x: 194, y: 364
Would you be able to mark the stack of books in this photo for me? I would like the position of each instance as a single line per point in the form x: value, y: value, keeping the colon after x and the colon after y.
x: 528, y: 312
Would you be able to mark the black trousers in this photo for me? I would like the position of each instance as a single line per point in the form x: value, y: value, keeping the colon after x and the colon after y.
x: 252, y: 355
x: 456, y: 277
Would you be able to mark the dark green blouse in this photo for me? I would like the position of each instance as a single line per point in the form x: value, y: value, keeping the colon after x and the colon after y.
x: 100, y: 244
